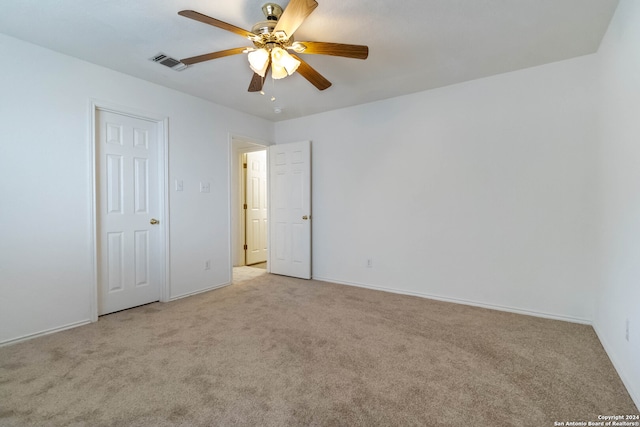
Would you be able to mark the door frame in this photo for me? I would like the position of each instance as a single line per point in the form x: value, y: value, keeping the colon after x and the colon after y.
x: 162, y: 126
x: 238, y: 146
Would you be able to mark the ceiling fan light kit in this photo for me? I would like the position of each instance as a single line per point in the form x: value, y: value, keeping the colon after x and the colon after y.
x: 272, y: 39
x: 282, y: 64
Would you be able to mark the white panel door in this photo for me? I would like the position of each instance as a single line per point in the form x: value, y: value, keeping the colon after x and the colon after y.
x: 290, y: 213
x: 128, y: 206
x: 256, y: 212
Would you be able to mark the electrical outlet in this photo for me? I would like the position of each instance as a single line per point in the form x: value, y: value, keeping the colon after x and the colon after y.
x: 626, y: 330
x: 369, y: 263
x: 207, y: 264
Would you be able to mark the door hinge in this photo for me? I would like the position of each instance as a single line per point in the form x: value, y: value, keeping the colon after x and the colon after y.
x: 246, y: 247
x: 244, y: 165
x: 244, y: 206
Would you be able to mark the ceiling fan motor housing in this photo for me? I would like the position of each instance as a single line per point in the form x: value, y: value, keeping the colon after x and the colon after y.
x: 264, y: 27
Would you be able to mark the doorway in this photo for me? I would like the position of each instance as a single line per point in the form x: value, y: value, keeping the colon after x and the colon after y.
x: 289, y: 198
x: 249, y: 186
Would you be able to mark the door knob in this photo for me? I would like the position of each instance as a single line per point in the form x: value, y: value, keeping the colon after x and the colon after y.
x: 154, y: 221
x: 305, y: 217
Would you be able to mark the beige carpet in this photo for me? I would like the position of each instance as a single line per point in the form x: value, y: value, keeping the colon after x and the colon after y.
x: 277, y: 351
x: 242, y: 274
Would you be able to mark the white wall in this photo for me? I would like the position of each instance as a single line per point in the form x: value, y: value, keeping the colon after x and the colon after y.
x: 618, y: 297
x: 481, y: 192
x: 46, y: 271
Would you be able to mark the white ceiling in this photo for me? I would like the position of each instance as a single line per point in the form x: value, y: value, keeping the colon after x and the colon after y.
x: 414, y: 45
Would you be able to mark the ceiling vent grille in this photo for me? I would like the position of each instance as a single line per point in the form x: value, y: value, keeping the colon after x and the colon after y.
x: 167, y: 61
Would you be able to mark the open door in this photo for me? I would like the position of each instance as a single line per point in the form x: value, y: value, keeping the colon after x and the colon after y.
x: 290, y: 209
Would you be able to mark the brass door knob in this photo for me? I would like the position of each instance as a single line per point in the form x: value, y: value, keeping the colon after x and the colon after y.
x: 305, y: 217
x: 154, y: 221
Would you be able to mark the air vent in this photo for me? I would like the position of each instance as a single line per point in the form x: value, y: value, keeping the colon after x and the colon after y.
x: 167, y: 61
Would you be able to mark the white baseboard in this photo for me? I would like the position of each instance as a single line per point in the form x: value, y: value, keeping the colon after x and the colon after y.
x: 45, y: 332
x: 211, y: 288
x: 635, y: 396
x: 462, y: 301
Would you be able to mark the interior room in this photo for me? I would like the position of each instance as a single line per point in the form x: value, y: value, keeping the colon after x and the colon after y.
x: 482, y: 155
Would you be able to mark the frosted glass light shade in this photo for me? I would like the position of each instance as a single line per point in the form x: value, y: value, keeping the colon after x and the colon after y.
x: 259, y: 61
x: 278, y: 71
x: 282, y: 59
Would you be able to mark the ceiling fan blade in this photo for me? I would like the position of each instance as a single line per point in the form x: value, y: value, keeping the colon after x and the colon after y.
x: 335, y: 49
x: 213, y: 55
x: 256, y: 83
x: 215, y: 22
x: 294, y: 15
x: 314, y: 77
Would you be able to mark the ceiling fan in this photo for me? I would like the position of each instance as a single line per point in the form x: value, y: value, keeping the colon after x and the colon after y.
x: 274, y: 47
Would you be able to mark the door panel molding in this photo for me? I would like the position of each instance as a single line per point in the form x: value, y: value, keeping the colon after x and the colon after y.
x: 162, y: 126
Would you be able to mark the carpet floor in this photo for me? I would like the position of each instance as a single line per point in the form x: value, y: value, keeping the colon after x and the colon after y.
x: 275, y: 351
